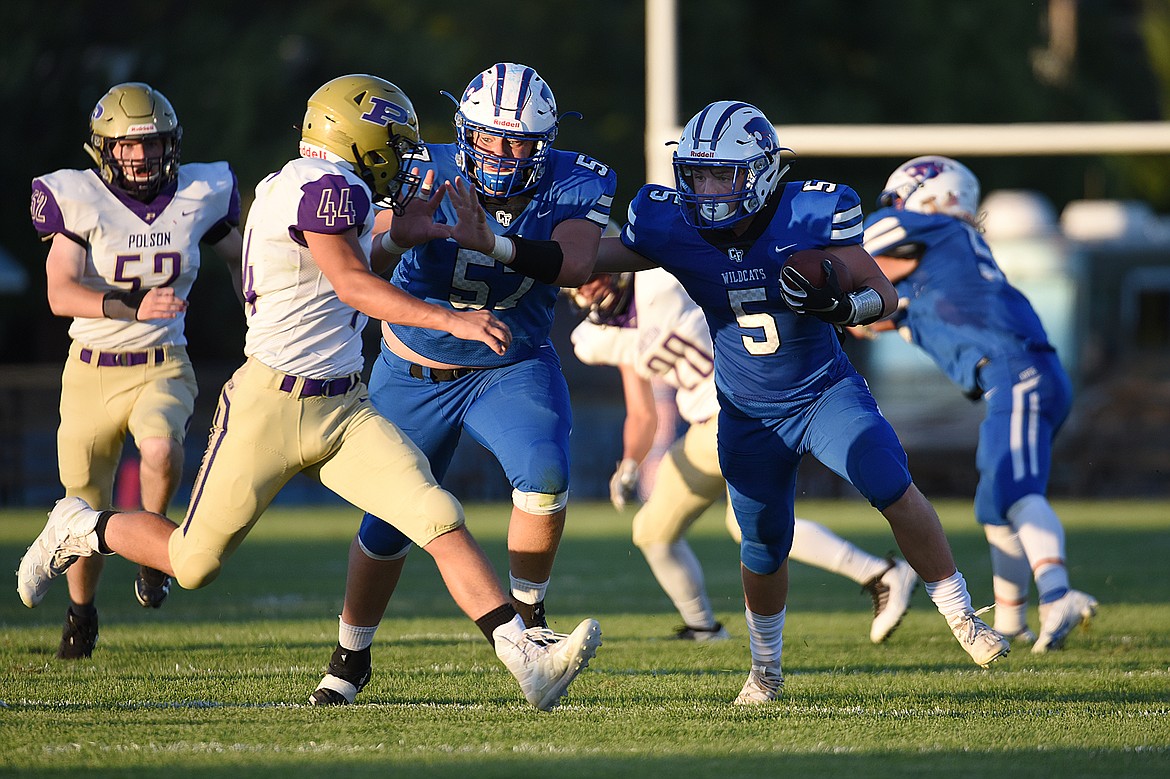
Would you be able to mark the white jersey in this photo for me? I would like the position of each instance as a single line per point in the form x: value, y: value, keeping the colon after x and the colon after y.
x: 667, y: 338
x: 130, y: 245
x: 296, y: 322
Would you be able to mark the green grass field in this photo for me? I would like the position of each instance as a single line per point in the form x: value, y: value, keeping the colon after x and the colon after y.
x: 214, y: 684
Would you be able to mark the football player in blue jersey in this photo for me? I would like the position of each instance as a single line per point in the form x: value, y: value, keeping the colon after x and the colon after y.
x: 785, y: 386
x: 984, y: 335
x: 525, y: 218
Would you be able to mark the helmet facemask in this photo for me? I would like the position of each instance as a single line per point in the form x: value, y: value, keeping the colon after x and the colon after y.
x: 512, y: 103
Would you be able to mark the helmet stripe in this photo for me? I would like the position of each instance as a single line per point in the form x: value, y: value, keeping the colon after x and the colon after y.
x: 711, y: 135
x: 525, y: 84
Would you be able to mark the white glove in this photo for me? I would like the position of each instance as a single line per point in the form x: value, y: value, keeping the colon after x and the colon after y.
x: 623, y: 485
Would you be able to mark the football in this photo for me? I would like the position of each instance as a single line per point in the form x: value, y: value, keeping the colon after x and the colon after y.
x: 807, y: 262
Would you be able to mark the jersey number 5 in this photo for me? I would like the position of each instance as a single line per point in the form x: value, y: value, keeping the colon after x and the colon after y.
x: 768, y: 339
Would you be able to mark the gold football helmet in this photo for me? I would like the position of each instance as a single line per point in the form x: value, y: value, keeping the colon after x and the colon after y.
x: 135, y: 112
x: 370, y: 123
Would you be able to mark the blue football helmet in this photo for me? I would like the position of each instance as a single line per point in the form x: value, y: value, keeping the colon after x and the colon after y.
x: 731, y: 135
x: 512, y: 102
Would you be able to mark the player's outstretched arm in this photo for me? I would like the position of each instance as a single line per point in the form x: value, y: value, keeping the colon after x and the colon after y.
x: 613, y: 256
x: 395, y: 234
x: 339, y: 256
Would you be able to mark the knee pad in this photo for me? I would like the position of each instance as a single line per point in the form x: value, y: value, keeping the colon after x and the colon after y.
x: 762, y: 559
x: 382, y: 541
x: 539, y: 503
x: 196, y: 570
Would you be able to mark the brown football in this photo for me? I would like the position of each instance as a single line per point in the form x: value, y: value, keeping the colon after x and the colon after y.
x: 807, y: 262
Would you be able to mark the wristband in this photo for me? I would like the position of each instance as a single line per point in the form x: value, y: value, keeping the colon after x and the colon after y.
x: 504, y: 250
x: 122, y: 304
x: 390, y: 247
x: 540, y: 260
x: 867, y: 306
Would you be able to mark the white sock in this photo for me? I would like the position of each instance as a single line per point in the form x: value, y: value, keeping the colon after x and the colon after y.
x: 1042, y: 537
x: 526, y: 591
x: 1010, y: 578
x: 354, y: 637
x: 681, y: 577
x: 816, y: 545
x: 950, y: 595
x: 766, y: 637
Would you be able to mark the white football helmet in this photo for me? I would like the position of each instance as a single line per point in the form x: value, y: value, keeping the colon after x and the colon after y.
x: 933, y: 185
x: 512, y: 102
x: 728, y: 134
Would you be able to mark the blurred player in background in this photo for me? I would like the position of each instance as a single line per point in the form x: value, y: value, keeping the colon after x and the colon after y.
x: 784, y: 383
x: 298, y: 404
x: 984, y: 335
x: 525, y: 218
x: 124, y: 253
x: 645, y: 324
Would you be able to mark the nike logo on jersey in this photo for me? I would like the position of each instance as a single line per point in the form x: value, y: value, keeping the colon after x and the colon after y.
x: 782, y: 249
x: 543, y: 214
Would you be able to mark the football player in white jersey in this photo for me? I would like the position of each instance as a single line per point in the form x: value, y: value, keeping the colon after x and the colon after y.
x: 298, y: 403
x: 645, y: 324
x: 124, y: 252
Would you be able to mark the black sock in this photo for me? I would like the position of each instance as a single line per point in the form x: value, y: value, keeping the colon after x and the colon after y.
x: 100, y: 530
x: 500, y: 615
x: 83, y: 609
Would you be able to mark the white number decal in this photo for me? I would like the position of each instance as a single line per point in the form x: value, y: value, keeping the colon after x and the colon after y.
x: 818, y: 186
x: 769, y: 340
x: 600, y: 168
x: 478, y: 291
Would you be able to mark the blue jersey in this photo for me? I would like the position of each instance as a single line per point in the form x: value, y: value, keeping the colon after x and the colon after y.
x: 573, y: 186
x: 766, y: 357
x: 962, y: 311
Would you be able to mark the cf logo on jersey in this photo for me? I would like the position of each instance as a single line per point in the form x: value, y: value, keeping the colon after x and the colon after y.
x: 735, y: 255
x: 383, y: 112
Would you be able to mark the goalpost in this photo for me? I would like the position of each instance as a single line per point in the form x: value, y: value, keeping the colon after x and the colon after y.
x: 890, y: 140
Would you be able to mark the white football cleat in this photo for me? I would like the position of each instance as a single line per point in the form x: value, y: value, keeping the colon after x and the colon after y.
x: 70, y: 533
x: 545, y: 663
x: 981, y: 642
x: 1059, y: 618
x: 891, y: 599
x: 763, y: 684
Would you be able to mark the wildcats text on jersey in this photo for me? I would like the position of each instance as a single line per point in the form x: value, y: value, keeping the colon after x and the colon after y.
x: 747, y: 274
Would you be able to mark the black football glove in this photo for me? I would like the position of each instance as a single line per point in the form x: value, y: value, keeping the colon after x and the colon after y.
x: 829, y: 303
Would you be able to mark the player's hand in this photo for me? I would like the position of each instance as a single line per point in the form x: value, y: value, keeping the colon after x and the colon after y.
x: 161, y: 303
x: 623, y: 485
x: 481, y: 326
x: 829, y: 303
x: 471, y: 229
x: 416, y: 224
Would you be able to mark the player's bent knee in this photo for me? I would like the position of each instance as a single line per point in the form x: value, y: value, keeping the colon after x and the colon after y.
x: 197, y: 570
x: 646, y: 533
x: 761, y: 559
x: 539, y: 503
x: 380, y: 540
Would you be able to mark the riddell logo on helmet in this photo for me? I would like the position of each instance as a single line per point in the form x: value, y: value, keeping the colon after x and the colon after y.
x: 140, y: 129
x: 507, y: 123
x: 702, y: 154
